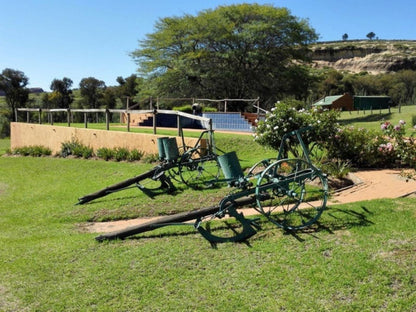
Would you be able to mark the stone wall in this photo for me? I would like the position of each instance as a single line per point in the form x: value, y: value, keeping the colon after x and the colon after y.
x: 26, y: 134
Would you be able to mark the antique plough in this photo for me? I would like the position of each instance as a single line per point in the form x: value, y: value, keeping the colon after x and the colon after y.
x: 289, y: 192
x: 196, y: 166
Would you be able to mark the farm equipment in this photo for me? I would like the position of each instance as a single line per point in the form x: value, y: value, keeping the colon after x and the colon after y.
x: 289, y: 192
x: 195, y: 166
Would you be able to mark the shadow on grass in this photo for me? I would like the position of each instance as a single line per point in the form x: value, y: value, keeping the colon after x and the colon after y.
x: 332, y: 220
x: 336, y: 219
x: 366, y: 118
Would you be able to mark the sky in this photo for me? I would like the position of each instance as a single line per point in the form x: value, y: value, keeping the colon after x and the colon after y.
x: 53, y: 39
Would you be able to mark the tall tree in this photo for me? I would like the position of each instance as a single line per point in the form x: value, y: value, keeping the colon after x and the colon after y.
x: 237, y: 51
x: 128, y: 88
x: 64, y: 92
x: 345, y: 36
x: 13, y: 83
x: 91, y: 91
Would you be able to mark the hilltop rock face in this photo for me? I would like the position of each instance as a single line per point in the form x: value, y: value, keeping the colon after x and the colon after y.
x: 370, y: 56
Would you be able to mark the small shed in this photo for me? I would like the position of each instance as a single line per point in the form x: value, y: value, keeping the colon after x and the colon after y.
x: 372, y: 102
x: 341, y: 102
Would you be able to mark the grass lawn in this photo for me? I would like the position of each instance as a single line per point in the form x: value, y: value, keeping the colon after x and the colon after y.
x: 372, y: 120
x: 359, y: 257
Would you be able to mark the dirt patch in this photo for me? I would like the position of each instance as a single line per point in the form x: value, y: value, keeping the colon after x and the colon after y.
x: 361, y: 185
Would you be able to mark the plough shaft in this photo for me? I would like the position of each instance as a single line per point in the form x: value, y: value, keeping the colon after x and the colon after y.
x: 171, y: 220
x: 126, y: 183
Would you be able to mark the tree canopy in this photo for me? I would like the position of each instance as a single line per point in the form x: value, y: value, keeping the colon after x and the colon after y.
x: 237, y: 51
x: 92, y: 91
x: 13, y: 83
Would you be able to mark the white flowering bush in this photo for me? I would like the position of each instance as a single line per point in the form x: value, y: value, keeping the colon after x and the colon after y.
x: 290, y: 115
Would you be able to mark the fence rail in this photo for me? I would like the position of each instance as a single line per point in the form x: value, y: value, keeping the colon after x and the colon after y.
x: 206, y: 122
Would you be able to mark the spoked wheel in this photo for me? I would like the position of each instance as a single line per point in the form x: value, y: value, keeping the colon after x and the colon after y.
x: 291, y: 193
x: 235, y: 228
x: 257, y: 169
x: 173, y: 172
x: 199, y: 169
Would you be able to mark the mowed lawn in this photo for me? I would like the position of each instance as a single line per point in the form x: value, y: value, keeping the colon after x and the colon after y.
x: 359, y: 257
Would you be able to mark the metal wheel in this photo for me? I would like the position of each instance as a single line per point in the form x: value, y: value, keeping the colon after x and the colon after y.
x: 199, y: 169
x: 235, y: 228
x: 174, y: 171
x: 291, y: 193
x: 256, y: 170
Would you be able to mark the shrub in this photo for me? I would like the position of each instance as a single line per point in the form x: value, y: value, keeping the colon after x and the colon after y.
x: 4, y: 126
x: 359, y: 146
x: 121, y: 153
x: 135, y: 155
x: 105, y: 153
x: 75, y: 148
x: 151, y: 158
x: 413, y: 120
x: 34, y: 151
x: 183, y: 109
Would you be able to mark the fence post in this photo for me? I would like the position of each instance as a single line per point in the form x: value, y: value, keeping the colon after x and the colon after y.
x: 128, y: 122
x: 85, y: 120
x: 40, y: 116
x: 51, y: 118
x: 154, y: 121
x: 68, y: 117
x: 178, y: 118
x: 107, y: 119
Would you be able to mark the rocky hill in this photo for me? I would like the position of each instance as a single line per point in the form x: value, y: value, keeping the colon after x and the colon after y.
x: 373, y: 56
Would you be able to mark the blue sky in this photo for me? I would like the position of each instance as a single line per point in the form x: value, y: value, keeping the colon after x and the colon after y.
x: 48, y: 39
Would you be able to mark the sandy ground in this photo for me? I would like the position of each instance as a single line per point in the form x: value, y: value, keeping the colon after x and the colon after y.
x: 370, y: 184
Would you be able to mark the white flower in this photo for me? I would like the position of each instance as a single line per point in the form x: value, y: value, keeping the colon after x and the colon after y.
x: 276, y: 127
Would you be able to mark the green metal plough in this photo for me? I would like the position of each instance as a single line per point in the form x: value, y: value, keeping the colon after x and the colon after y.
x: 290, y: 192
x: 195, y: 166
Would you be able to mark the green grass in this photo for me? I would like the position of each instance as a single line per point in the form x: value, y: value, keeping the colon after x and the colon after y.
x: 372, y: 120
x: 359, y: 257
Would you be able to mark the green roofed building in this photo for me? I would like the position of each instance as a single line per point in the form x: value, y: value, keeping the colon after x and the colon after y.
x: 372, y: 102
x: 341, y: 102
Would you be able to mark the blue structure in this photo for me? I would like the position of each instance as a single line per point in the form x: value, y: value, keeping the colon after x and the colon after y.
x: 220, y: 121
x: 229, y: 121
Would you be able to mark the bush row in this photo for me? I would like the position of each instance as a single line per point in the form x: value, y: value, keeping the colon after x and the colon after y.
x: 76, y: 149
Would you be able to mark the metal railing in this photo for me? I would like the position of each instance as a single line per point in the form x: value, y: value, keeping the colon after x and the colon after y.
x: 206, y: 122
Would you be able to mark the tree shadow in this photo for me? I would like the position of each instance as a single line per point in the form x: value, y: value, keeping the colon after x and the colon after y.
x: 367, y: 118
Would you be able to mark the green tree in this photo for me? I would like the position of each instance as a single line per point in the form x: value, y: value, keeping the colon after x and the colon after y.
x: 345, y: 36
x: 91, y: 90
x: 128, y: 88
x: 237, y: 51
x: 13, y: 83
x: 64, y: 96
